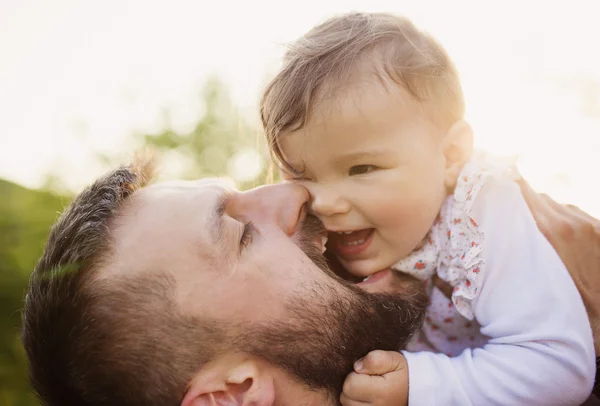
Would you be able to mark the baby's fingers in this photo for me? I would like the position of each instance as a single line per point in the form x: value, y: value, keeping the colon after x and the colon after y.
x: 346, y: 401
x: 360, y: 388
x: 380, y: 362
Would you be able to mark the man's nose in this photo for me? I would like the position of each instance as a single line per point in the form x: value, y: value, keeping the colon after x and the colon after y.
x: 278, y: 205
x: 327, y: 201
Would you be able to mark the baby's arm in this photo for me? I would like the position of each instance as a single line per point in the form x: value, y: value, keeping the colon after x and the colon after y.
x: 540, y: 349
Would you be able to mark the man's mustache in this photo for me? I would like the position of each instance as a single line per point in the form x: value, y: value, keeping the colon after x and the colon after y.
x: 310, y: 231
x: 313, y: 225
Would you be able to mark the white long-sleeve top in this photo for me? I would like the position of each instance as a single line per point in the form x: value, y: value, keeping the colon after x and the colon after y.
x: 539, y: 348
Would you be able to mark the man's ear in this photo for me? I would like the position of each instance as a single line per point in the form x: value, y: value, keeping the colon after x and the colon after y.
x: 457, y: 147
x: 239, y: 384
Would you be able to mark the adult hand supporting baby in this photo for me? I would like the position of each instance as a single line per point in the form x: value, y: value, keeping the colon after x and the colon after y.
x: 575, y: 235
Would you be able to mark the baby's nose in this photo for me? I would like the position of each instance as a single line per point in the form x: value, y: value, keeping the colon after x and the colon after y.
x: 327, y: 201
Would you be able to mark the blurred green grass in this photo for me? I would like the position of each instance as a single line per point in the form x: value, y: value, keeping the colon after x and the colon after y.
x: 25, y: 218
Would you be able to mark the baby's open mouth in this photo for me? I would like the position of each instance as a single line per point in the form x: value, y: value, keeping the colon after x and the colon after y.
x: 347, y: 244
x: 352, y: 238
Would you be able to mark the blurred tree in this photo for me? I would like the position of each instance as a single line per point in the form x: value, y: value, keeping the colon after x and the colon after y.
x: 25, y: 218
x: 222, y: 143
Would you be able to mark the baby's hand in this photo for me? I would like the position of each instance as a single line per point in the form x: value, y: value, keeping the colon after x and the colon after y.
x: 380, y: 378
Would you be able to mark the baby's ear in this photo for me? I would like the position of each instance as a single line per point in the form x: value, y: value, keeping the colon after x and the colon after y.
x: 457, y: 147
x: 237, y: 385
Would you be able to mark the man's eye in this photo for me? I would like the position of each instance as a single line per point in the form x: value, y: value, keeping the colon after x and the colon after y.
x: 247, y: 234
x: 292, y: 174
x: 300, y: 178
x: 361, y: 169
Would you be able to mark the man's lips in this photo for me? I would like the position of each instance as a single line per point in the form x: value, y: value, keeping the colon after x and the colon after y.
x: 374, y: 278
x: 348, y: 245
x: 390, y: 281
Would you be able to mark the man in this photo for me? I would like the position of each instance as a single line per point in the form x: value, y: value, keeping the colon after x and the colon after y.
x: 190, y: 293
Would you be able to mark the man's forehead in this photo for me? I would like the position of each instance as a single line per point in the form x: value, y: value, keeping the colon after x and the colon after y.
x: 204, y: 183
x: 201, y: 192
x: 163, y: 219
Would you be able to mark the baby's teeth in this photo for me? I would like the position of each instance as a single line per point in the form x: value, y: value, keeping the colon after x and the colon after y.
x: 323, y: 241
x: 358, y: 242
x: 347, y: 232
x: 367, y: 278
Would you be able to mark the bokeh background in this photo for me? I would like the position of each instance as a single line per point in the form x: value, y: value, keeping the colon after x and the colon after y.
x: 84, y: 83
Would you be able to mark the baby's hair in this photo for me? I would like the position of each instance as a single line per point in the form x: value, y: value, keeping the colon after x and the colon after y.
x: 320, y: 63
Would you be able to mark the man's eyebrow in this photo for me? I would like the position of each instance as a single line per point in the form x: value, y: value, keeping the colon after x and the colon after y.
x: 216, y: 218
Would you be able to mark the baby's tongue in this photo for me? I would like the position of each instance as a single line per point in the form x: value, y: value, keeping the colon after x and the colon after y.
x: 354, y: 238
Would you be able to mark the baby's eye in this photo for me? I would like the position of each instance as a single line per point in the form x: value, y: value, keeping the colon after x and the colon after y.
x: 361, y: 169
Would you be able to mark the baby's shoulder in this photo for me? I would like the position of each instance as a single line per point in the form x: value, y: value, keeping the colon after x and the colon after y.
x: 487, y: 191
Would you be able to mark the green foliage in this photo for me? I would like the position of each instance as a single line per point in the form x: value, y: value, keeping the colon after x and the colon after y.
x: 25, y: 218
x: 220, y: 133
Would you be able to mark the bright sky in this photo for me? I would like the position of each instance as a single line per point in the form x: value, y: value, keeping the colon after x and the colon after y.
x: 78, y: 76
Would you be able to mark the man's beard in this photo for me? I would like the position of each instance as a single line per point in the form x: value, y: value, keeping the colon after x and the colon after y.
x: 331, y: 325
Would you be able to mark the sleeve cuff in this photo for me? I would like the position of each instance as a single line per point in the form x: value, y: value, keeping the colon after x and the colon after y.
x: 421, y: 391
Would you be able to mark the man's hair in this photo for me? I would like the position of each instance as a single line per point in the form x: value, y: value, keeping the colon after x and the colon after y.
x: 106, y: 341
x: 318, y: 65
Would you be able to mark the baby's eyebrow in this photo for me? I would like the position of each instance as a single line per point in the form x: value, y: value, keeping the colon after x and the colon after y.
x: 355, y: 155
